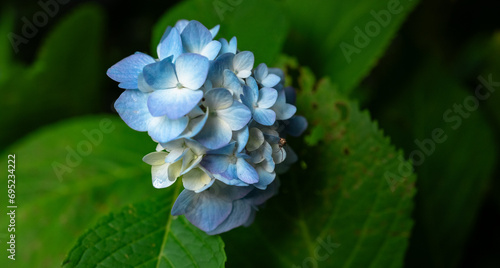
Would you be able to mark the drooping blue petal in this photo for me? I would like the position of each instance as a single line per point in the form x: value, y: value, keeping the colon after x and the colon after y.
x: 215, y: 30
x: 265, y: 117
x: 265, y: 178
x: 296, y: 125
x: 239, y: 215
x: 215, y: 134
x: 267, y: 97
x: 184, y: 202
x: 195, y: 37
x: 173, y: 102
x: 170, y: 44
x: 241, y: 138
x: 128, y: 69
x: 211, y: 50
x: 161, y: 75
x: 258, y: 197
x: 132, y: 108
x: 192, y: 70
x: 236, y: 116
x: 163, y: 129
x: 218, y: 98
x: 246, y: 172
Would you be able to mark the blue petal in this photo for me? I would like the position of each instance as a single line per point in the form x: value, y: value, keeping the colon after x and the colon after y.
x: 241, y: 137
x: 255, y: 140
x: 258, y: 197
x: 175, y: 155
x: 195, y: 37
x: 252, y: 84
x: 215, y: 134
x: 296, y: 125
x: 132, y: 108
x: 215, y: 74
x: 265, y: 178
x: 265, y: 117
x: 267, y: 97
x: 170, y: 44
x: 228, y: 47
x: 239, y: 216
x: 181, y: 25
x: 215, y: 30
x: 173, y: 102
x: 236, y: 116
x: 194, y: 127
x: 163, y: 129
x: 246, y: 172
x: 243, y: 61
x: 261, y: 72
x: 215, y: 164
x: 218, y: 98
x: 211, y: 50
x: 161, y: 75
x: 271, y: 80
x: 184, y: 202
x: 226, y: 150
x: 209, y: 212
x: 232, y: 83
x: 192, y: 70
x: 128, y: 69
x: 283, y: 110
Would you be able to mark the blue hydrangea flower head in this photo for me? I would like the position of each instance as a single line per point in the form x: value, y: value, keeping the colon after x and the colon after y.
x: 220, y: 124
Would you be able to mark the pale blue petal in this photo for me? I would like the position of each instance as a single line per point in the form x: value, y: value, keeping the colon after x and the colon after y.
x: 211, y: 50
x: 170, y: 44
x: 248, y: 98
x: 215, y: 134
x: 265, y: 178
x: 246, y: 172
x: 173, y: 102
x: 217, y: 68
x: 215, y: 30
x: 209, y: 212
x: 192, y: 70
x: 228, y: 47
x: 195, y: 37
x: 162, y: 129
x: 267, y: 97
x: 128, y: 69
x: 218, y: 98
x: 195, y: 125
x: 283, y: 110
x: 161, y: 75
x: 181, y: 25
x: 243, y: 61
x: 271, y: 80
x: 241, y: 138
x: 252, y: 84
x: 143, y: 85
x: 261, y: 72
x: 265, y: 117
x: 236, y: 116
x: 232, y: 83
x: 239, y: 216
x: 132, y: 108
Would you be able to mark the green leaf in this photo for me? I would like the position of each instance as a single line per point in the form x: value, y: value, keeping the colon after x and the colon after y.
x: 259, y: 25
x: 68, y: 176
x: 324, y: 29
x: 339, y: 208
x: 452, y: 150
x: 63, y: 81
x: 146, y: 235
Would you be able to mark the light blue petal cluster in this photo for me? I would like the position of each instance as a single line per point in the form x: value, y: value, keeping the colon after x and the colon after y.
x: 220, y: 124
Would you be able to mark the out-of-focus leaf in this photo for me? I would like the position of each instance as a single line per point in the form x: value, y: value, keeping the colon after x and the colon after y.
x: 259, y: 25
x: 63, y: 81
x: 343, y: 39
x: 67, y: 176
x: 338, y: 207
x: 146, y: 235
x: 451, y: 144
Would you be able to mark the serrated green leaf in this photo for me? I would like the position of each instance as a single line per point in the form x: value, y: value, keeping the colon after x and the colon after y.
x: 146, y: 235
x: 339, y: 209
x: 63, y: 81
x: 98, y: 160
x: 259, y: 25
x: 453, y: 156
x: 324, y: 29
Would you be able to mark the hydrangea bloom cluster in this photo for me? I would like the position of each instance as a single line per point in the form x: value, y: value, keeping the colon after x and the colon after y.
x: 220, y: 123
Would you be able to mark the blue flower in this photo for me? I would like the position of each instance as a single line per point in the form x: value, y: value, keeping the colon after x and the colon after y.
x: 259, y: 102
x: 228, y: 47
x: 265, y: 78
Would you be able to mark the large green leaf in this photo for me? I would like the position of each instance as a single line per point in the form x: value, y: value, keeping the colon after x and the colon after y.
x: 69, y: 175
x: 325, y: 29
x: 63, y: 81
x: 146, y: 235
x: 451, y: 147
x: 259, y: 25
x: 338, y: 207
